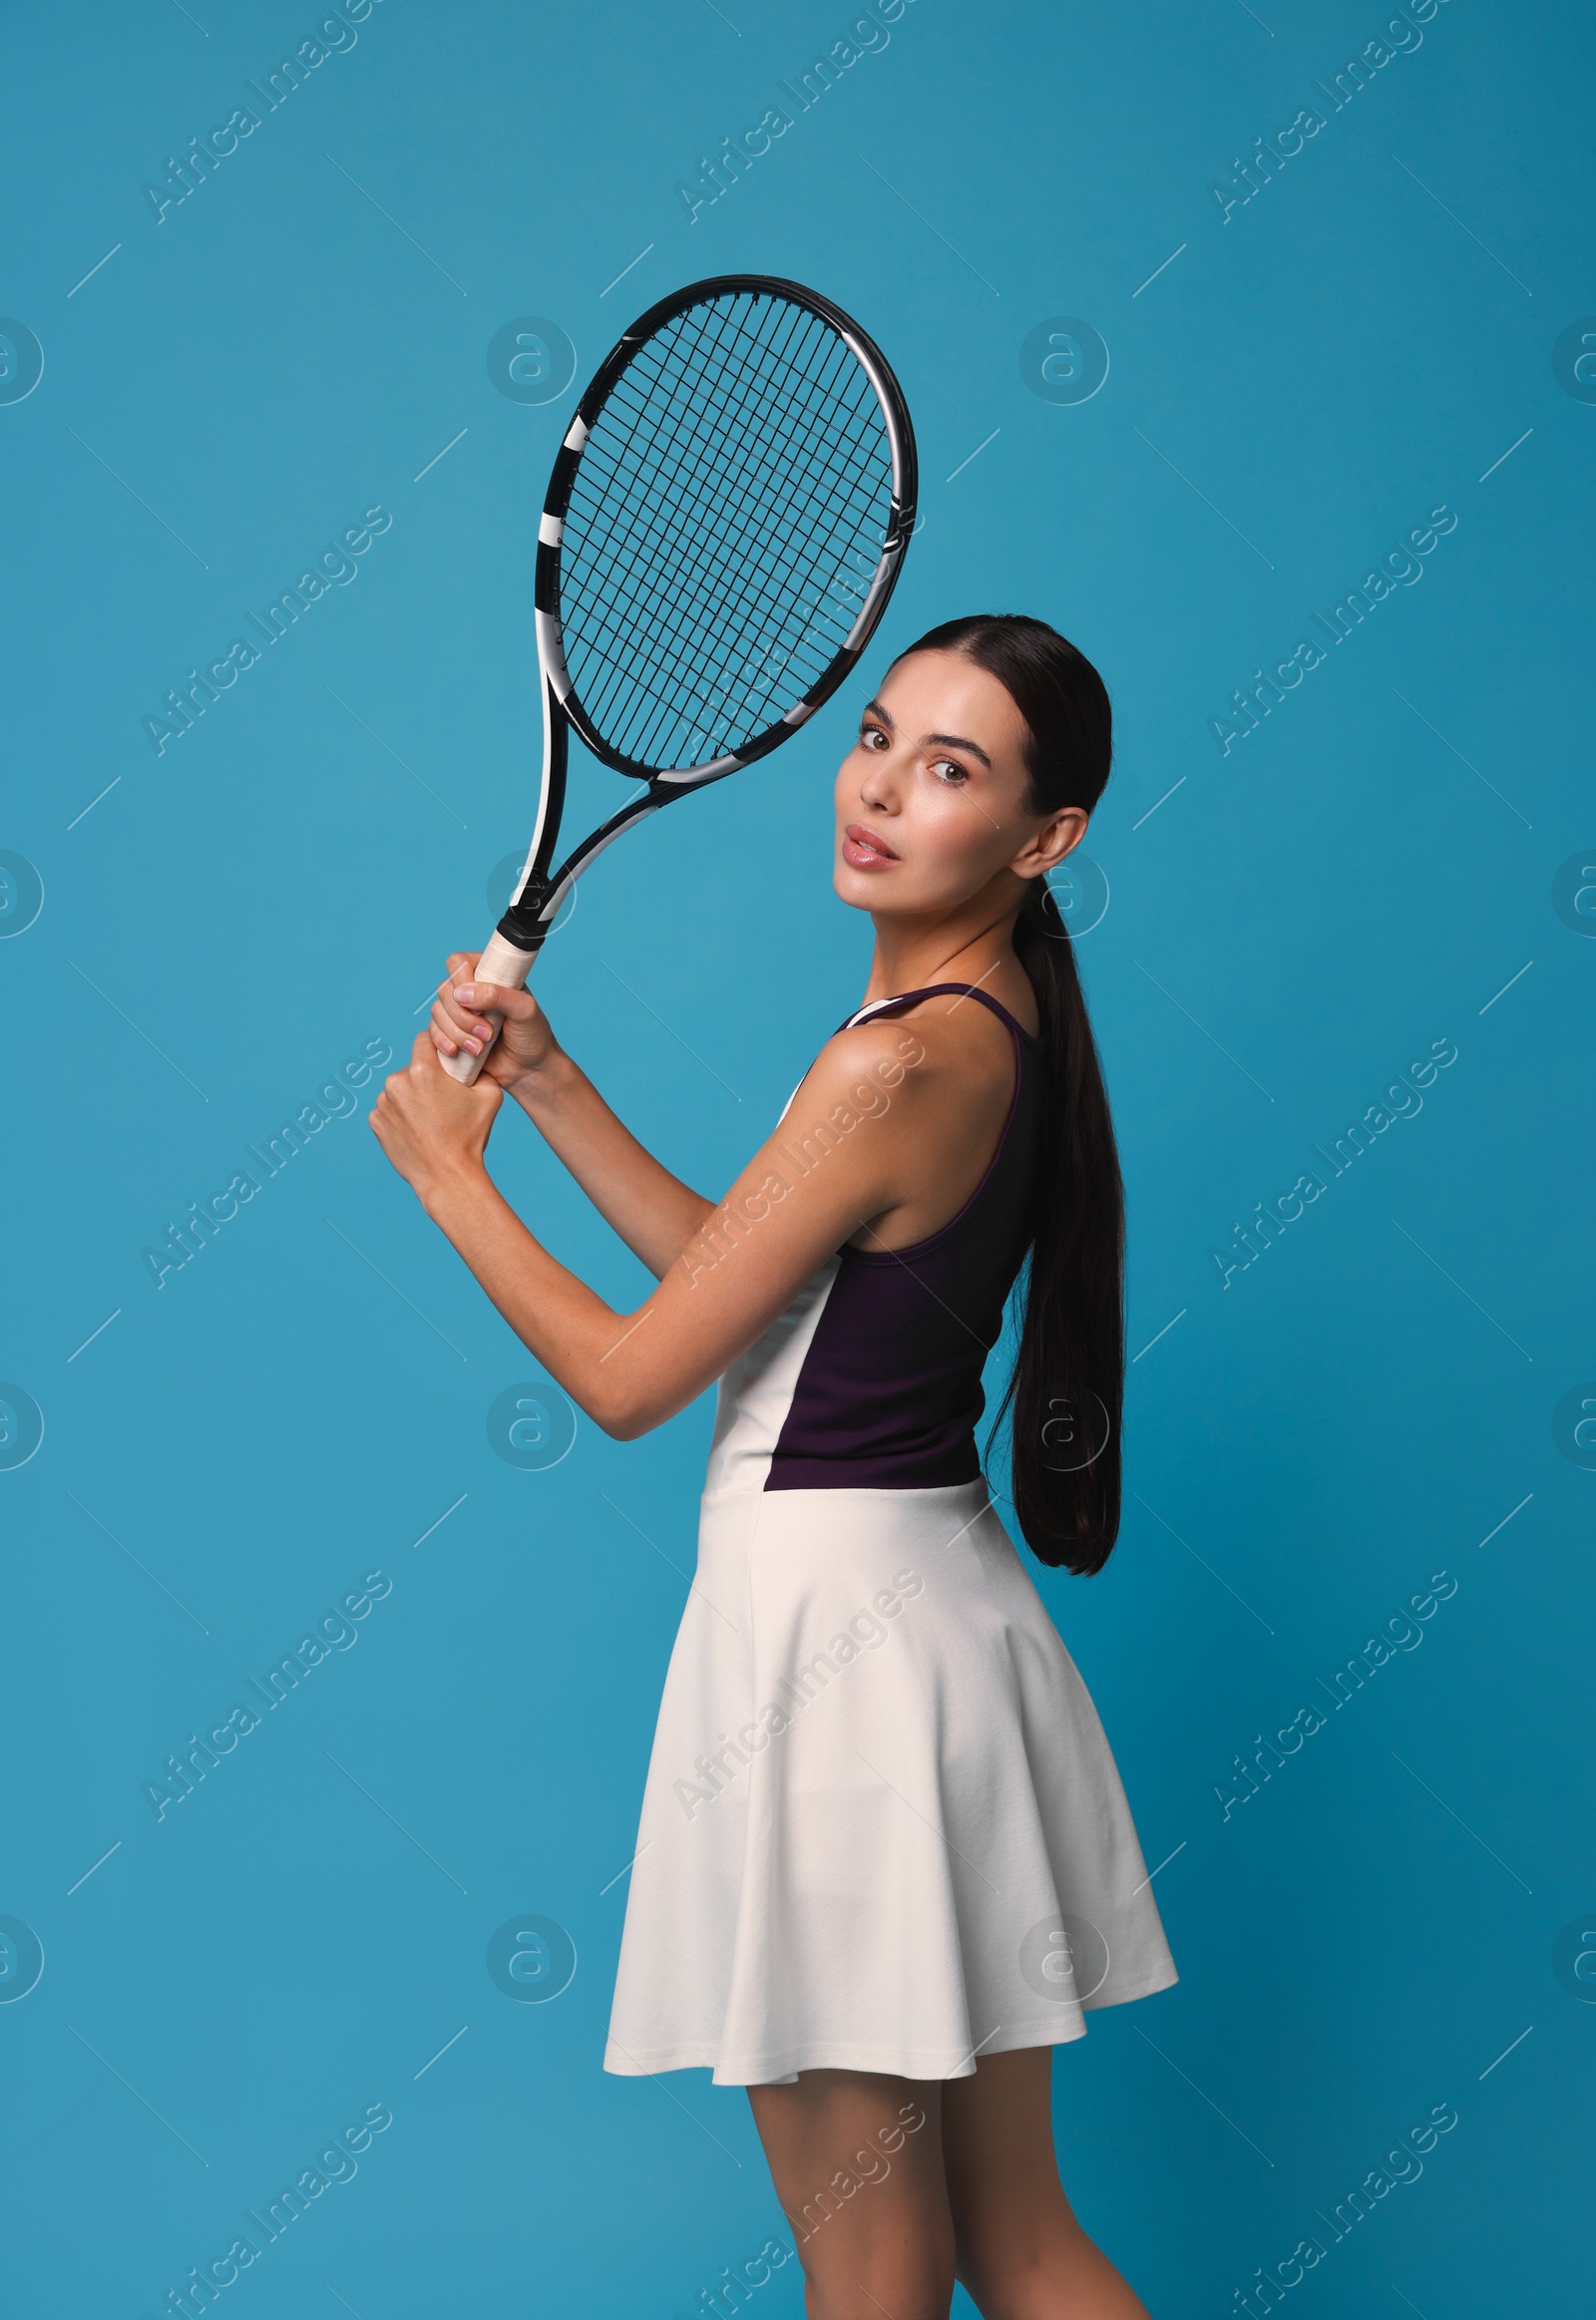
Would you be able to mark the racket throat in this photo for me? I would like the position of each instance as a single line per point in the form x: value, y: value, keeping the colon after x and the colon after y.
x: 528, y: 922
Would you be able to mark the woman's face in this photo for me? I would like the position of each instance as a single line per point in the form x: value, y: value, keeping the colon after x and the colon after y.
x: 930, y: 799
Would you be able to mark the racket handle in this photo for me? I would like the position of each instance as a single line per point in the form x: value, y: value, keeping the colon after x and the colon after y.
x: 506, y: 964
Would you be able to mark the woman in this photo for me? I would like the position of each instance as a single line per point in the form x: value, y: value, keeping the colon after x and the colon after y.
x: 885, y: 1858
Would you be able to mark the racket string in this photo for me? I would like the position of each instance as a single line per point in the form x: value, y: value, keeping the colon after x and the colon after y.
x: 761, y: 681
x: 778, y: 490
x: 767, y: 641
x: 723, y: 537
x: 656, y: 545
x: 713, y: 570
x: 661, y: 541
x: 765, y: 618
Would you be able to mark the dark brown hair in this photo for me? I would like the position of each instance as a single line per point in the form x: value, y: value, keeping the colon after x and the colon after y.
x: 1068, y: 1382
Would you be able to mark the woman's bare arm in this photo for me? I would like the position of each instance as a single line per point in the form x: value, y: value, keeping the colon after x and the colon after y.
x: 863, y: 1132
x: 653, y: 1212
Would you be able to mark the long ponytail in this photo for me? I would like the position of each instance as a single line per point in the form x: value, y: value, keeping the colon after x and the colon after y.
x: 1067, y: 1386
x: 1068, y: 1383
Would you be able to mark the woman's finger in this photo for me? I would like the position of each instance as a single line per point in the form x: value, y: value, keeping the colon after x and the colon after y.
x: 451, y: 1032
x: 448, y: 1040
x: 445, y: 1037
x: 458, y: 1022
x: 516, y: 1006
x: 449, y: 991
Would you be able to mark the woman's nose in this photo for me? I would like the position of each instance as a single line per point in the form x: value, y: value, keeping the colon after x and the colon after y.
x: 877, y: 786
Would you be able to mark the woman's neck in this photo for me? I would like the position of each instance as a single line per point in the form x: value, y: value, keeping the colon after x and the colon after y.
x: 962, y: 946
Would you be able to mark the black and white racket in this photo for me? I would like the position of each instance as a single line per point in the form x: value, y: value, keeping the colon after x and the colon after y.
x: 726, y: 518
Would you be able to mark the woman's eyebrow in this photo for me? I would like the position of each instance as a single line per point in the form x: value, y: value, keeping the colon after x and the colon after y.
x: 929, y: 740
x: 956, y: 741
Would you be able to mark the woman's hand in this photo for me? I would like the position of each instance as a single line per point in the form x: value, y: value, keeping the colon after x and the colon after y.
x: 434, y: 1130
x: 524, y: 1044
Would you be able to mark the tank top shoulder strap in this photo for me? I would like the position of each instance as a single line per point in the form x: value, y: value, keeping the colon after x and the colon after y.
x: 972, y: 991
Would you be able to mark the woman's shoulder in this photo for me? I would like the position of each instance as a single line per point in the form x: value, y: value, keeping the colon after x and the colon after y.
x: 937, y: 1046
x: 883, y: 1053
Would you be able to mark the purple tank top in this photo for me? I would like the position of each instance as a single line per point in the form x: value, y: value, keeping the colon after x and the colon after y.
x: 889, y: 1395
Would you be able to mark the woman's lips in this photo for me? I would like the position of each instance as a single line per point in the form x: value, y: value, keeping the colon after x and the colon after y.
x: 863, y: 850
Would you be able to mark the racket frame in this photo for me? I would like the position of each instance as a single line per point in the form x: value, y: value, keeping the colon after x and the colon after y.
x: 537, y: 895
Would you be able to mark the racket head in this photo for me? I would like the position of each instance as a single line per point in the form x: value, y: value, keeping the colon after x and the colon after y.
x: 724, y: 525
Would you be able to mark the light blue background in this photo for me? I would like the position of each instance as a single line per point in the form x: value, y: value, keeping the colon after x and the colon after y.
x: 1289, y: 925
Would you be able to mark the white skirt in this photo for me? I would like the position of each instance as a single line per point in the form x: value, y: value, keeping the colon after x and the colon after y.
x: 883, y: 1829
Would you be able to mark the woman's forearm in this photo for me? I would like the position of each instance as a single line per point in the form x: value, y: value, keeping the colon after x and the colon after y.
x: 562, y: 1322
x: 653, y: 1212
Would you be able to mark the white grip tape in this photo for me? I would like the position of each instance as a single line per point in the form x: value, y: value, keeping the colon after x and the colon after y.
x: 503, y: 963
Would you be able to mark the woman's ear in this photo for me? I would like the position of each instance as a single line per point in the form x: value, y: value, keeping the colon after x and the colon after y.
x: 1049, y: 847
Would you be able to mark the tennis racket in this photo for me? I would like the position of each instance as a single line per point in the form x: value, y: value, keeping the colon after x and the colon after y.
x: 725, y: 521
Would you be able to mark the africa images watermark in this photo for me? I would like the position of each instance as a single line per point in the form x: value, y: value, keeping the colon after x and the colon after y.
x: 866, y: 1631
x: 337, y: 2164
x: 1401, y: 2164
x: 1399, y: 566
x: 715, y: 179
x: 334, y: 1100
x: 1404, y: 1629
x: 1269, y: 156
x: 757, y: 2273
x: 334, y: 1630
x: 867, y: 2166
x: 727, y: 1230
x: 335, y: 566
x: 206, y: 155
x: 1402, y: 1101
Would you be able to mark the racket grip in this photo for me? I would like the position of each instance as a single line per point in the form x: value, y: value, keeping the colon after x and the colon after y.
x: 508, y: 965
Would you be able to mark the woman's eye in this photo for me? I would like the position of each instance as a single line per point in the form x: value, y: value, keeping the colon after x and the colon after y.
x: 868, y: 735
x: 947, y: 769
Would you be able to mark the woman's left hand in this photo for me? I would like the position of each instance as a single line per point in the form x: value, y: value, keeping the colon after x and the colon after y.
x: 431, y: 1127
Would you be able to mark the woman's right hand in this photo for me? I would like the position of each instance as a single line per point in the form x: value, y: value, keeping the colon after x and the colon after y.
x: 524, y: 1044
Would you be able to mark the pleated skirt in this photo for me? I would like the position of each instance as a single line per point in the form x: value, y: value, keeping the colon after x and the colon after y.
x: 883, y: 1829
